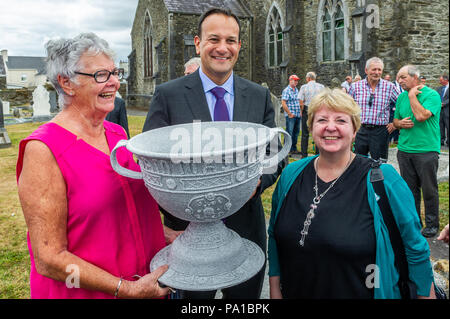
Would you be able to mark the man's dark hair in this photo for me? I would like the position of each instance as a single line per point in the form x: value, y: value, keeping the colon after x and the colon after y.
x: 445, y: 77
x: 224, y: 11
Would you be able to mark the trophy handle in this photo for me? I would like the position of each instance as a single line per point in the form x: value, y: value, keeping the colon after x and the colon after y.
x: 269, y: 165
x: 119, y: 169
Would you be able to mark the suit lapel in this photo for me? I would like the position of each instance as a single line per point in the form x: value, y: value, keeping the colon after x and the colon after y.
x: 445, y: 92
x: 196, y: 100
x: 241, y: 100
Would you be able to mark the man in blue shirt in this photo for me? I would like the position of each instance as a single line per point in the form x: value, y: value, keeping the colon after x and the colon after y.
x: 292, y: 110
x: 215, y: 93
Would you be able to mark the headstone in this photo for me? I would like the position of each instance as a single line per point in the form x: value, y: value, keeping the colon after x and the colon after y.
x: 276, y: 106
x: 41, y: 104
x: 6, y: 110
x: 2, y: 122
x: 4, y: 138
x: 53, y: 102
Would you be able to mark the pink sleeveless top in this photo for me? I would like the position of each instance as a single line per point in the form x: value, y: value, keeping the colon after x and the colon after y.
x: 112, y: 221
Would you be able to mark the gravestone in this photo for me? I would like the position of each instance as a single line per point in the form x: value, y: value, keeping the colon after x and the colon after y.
x: 276, y: 106
x: 6, y: 110
x: 4, y: 138
x: 41, y: 105
x: 53, y: 102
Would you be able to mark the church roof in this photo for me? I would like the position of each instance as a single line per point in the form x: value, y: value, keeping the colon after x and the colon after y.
x: 199, y: 6
x: 27, y: 62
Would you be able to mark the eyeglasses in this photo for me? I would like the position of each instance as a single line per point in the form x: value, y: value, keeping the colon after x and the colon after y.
x: 103, y: 76
x: 371, y: 100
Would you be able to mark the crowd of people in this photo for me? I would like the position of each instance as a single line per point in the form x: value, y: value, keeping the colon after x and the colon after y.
x: 326, y: 226
x: 388, y: 108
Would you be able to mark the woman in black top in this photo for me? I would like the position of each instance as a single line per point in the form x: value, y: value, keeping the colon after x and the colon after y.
x: 322, y: 236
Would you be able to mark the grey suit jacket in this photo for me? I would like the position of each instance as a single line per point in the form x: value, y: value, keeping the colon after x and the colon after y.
x: 183, y: 100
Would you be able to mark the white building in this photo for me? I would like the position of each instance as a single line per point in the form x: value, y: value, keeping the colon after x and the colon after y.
x: 24, y: 71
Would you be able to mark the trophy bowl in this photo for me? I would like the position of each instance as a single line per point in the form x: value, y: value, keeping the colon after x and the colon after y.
x: 204, y: 172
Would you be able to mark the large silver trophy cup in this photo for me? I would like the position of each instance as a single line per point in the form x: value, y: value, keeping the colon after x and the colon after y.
x: 204, y: 172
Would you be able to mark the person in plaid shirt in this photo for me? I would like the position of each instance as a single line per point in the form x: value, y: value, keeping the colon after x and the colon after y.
x: 291, y: 107
x: 373, y: 95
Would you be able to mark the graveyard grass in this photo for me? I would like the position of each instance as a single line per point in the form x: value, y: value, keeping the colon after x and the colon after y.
x: 14, y: 258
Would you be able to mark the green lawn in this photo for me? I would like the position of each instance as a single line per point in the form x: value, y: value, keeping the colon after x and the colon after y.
x: 14, y: 258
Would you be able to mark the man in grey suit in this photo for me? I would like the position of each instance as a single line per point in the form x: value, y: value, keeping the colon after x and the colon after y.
x: 443, y: 121
x: 196, y: 97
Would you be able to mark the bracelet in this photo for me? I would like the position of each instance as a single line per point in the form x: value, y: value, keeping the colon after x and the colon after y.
x: 118, y: 287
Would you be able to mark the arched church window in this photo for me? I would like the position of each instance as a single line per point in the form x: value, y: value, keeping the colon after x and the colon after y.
x: 279, y: 45
x: 339, y: 35
x: 332, y: 31
x: 148, y: 47
x: 271, y: 46
x: 326, y: 37
x: 275, y: 39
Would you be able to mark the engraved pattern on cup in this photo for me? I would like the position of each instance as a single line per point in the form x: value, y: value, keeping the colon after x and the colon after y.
x: 207, y: 255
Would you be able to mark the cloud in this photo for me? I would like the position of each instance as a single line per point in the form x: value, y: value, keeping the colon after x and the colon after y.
x: 26, y: 25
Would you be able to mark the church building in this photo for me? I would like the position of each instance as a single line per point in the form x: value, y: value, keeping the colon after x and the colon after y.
x: 333, y: 38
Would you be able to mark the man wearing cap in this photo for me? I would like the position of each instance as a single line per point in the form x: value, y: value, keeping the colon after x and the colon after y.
x: 423, y: 80
x: 292, y: 111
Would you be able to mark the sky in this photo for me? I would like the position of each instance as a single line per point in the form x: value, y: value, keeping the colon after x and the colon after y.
x: 26, y: 25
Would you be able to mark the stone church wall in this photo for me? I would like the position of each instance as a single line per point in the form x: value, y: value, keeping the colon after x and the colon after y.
x: 159, y: 21
x: 409, y: 31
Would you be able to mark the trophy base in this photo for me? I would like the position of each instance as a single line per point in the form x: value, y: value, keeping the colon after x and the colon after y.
x: 208, y: 256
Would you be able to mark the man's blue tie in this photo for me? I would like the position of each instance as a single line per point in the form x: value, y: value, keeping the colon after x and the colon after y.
x: 220, y: 109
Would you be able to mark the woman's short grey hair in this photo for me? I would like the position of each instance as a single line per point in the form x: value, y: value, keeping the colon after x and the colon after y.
x: 63, y: 58
x: 374, y: 60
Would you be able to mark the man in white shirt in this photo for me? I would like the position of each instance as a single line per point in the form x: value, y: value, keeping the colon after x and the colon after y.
x: 347, y: 83
x: 307, y: 92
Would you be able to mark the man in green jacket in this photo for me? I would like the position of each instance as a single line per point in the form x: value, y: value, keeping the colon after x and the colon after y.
x: 417, y: 115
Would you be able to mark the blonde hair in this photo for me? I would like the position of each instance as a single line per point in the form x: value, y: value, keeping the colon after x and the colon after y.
x: 338, y: 101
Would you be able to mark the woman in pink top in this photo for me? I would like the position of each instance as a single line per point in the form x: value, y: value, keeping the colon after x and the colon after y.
x: 91, y: 232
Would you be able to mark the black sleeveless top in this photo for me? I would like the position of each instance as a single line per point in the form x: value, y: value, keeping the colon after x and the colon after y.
x: 337, y: 258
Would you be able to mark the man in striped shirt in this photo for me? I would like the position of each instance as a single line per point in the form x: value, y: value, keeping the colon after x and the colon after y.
x: 373, y: 95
